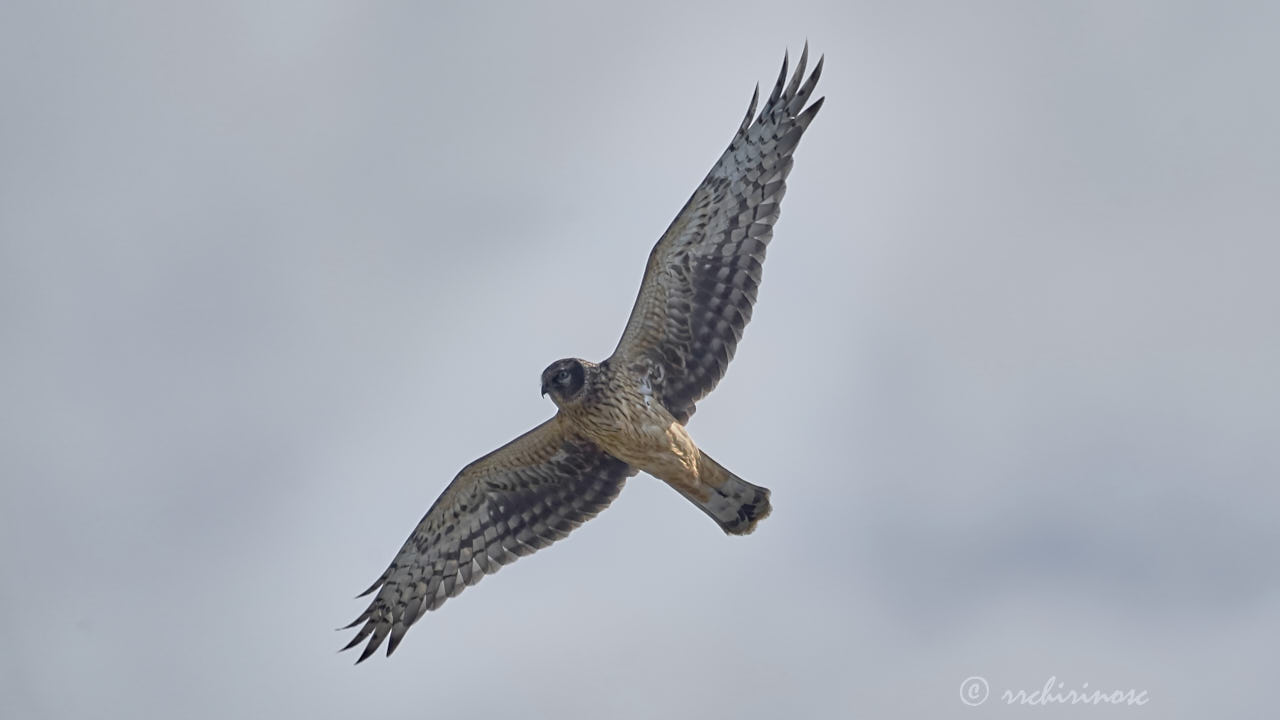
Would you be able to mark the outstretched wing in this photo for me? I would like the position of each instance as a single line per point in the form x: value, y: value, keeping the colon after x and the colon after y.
x: 523, y: 496
x: 702, y: 276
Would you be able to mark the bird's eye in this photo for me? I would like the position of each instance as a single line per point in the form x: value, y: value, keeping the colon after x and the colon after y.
x: 562, y: 377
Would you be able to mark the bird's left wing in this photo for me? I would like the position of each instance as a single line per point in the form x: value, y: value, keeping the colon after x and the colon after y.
x: 517, y: 499
x: 703, y: 274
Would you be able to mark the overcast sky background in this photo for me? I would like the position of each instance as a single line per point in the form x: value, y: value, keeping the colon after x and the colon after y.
x: 270, y: 274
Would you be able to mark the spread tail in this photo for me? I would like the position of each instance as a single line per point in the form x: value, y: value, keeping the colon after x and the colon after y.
x: 735, y: 504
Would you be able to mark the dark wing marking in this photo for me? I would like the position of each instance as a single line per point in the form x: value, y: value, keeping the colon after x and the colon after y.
x: 703, y: 274
x: 519, y: 498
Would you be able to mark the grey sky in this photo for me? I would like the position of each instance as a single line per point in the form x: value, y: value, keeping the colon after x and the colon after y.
x: 270, y: 275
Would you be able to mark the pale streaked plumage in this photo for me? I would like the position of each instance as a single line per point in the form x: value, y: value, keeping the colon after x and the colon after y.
x: 627, y: 413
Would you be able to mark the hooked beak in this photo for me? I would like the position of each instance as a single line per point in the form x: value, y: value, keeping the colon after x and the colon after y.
x: 544, y: 389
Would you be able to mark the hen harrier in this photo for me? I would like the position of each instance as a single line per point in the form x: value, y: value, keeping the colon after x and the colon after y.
x: 628, y: 412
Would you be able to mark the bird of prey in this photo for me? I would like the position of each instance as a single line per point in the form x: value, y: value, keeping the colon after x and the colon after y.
x: 628, y: 412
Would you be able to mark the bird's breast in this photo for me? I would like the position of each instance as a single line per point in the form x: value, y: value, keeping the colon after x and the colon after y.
x: 626, y: 420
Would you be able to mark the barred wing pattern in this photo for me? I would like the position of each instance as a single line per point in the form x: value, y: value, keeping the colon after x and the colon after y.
x: 703, y: 274
x: 513, y: 501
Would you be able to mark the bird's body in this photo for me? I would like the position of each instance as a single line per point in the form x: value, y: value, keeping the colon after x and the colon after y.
x: 615, y: 409
x: 615, y: 412
x: 627, y: 413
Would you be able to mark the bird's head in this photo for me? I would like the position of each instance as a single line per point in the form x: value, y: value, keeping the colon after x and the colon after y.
x: 564, y: 379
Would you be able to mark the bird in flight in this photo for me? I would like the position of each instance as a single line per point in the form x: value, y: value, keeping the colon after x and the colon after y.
x: 628, y: 412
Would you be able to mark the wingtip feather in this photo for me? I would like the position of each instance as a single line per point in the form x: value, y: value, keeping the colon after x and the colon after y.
x: 364, y: 633
x: 397, y: 634
x: 782, y: 79
x: 371, y: 648
x: 376, y: 583
x: 806, y: 117
x: 798, y: 75
x: 751, y: 110
x: 796, y: 97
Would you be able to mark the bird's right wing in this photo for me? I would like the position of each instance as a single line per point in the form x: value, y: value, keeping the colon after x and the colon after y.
x: 701, y: 281
x: 517, y: 499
